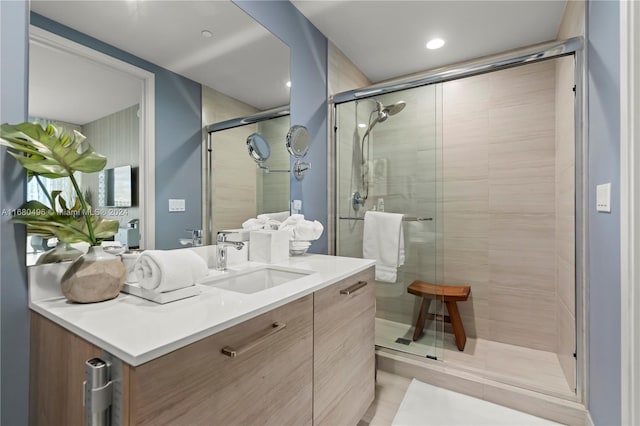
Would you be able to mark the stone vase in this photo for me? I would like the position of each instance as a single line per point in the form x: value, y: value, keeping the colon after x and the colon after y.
x: 62, y: 252
x: 94, y: 277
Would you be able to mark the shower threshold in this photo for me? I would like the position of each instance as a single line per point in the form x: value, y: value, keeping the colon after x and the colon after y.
x: 527, y: 368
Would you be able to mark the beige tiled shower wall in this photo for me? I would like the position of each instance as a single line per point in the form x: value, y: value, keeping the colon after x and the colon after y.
x: 404, y: 153
x: 499, y: 203
x: 273, y: 187
x: 233, y: 171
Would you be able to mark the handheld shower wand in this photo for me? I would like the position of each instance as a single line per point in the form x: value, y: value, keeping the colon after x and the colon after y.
x: 382, y: 112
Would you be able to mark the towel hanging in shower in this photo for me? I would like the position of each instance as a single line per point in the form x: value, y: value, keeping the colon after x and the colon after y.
x: 383, y: 241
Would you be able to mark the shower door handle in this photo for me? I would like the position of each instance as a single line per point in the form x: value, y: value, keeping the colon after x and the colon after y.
x: 352, y: 289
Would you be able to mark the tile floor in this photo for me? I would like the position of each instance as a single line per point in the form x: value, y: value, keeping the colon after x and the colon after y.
x: 524, y: 367
x: 390, y: 390
x: 445, y: 407
x: 425, y: 405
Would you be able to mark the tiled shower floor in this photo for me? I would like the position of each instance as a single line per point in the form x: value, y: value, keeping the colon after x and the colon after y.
x: 516, y: 365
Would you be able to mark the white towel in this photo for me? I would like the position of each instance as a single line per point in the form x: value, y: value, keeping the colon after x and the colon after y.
x: 279, y: 216
x: 306, y: 230
x: 167, y: 270
x: 301, y: 229
x: 253, y: 224
x: 383, y: 241
x: 290, y: 223
x: 271, y: 225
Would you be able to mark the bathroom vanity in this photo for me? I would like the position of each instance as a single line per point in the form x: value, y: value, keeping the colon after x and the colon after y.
x: 298, y: 353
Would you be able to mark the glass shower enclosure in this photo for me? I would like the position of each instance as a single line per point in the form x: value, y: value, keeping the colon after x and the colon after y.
x: 388, y: 151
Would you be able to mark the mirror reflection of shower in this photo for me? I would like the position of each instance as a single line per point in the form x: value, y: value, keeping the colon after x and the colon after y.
x: 378, y: 115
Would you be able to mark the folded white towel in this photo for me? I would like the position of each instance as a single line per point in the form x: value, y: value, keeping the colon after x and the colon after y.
x: 167, y: 270
x: 253, y: 224
x: 271, y: 225
x: 301, y: 229
x: 383, y: 240
x: 279, y: 216
x: 307, y: 230
x: 290, y: 223
x: 292, y: 220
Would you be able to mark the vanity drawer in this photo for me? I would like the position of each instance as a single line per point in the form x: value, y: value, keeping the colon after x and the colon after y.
x: 258, y: 372
x: 344, y: 350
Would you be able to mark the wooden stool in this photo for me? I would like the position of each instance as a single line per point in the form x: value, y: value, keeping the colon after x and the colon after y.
x: 450, y: 295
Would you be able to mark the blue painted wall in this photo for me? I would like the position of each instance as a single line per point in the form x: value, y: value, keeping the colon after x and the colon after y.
x: 603, y: 32
x: 14, y: 321
x: 178, y: 137
x: 308, y: 99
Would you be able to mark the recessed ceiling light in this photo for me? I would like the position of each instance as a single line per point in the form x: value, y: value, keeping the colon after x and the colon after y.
x: 362, y: 125
x: 435, y: 43
x: 288, y: 84
x: 206, y: 34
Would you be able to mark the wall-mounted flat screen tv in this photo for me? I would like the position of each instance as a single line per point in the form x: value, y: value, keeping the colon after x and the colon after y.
x: 116, y: 187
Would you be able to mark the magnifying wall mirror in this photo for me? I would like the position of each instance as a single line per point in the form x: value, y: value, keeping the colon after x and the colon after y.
x: 298, y: 141
x: 298, y: 146
x: 258, y: 148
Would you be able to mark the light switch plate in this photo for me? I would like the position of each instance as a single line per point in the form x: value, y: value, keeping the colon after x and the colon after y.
x: 176, y: 205
x: 603, y: 198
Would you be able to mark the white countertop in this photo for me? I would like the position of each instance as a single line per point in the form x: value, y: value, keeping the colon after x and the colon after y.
x: 137, y: 331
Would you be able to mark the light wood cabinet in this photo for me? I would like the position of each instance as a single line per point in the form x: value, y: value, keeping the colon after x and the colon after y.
x: 344, y: 357
x: 269, y: 383
x: 310, y: 361
x: 57, y: 372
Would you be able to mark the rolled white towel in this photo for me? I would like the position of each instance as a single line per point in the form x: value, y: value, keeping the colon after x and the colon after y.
x: 167, y: 270
x: 307, y: 230
x: 279, y: 216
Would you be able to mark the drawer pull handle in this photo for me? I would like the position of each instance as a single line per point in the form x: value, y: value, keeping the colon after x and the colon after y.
x: 352, y: 289
x: 231, y: 352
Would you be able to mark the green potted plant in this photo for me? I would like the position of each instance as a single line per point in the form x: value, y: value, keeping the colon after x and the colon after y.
x: 51, y: 153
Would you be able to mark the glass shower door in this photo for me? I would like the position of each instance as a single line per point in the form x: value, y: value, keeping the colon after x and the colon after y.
x: 388, y: 159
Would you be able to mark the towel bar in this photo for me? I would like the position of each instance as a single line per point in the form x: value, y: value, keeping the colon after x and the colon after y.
x: 404, y: 219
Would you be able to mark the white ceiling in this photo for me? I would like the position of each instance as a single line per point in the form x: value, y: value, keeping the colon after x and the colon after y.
x: 66, y: 87
x: 242, y: 59
x: 386, y: 39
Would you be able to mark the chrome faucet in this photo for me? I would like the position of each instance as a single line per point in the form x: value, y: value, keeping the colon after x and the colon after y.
x: 196, y: 237
x: 221, y: 250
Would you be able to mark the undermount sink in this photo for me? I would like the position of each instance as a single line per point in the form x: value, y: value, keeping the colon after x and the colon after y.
x: 256, y: 280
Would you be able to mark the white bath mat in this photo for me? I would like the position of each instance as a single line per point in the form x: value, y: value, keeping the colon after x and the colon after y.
x: 426, y: 405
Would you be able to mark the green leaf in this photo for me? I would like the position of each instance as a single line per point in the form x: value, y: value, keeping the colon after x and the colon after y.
x: 50, y: 152
x: 55, y: 195
x: 69, y: 226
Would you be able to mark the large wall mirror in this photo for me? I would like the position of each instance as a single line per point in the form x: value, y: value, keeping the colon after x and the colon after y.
x: 111, y: 103
x: 241, y: 67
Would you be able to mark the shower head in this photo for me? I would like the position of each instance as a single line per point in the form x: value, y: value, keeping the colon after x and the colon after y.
x: 383, y: 112
x: 382, y: 115
x: 393, y: 109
